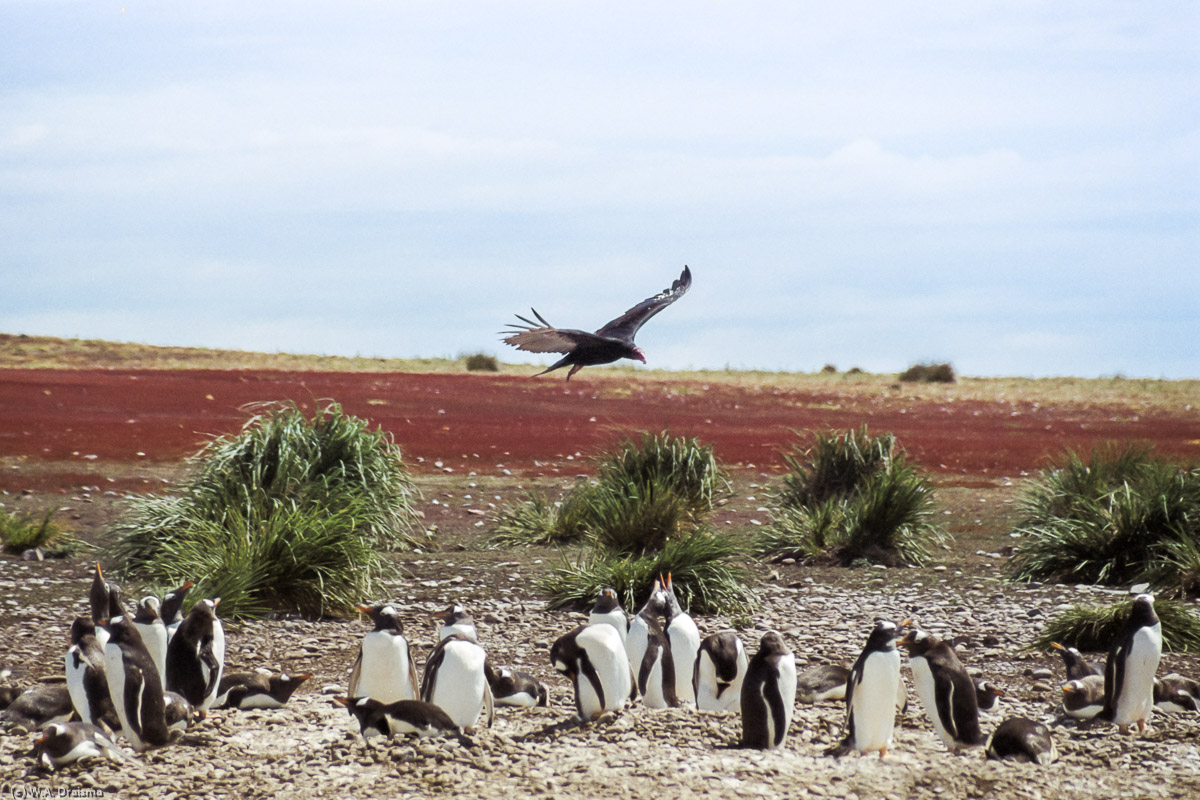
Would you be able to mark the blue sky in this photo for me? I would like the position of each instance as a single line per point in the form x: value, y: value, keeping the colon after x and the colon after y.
x: 1010, y: 187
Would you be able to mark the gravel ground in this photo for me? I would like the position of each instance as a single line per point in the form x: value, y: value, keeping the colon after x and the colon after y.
x: 309, y: 749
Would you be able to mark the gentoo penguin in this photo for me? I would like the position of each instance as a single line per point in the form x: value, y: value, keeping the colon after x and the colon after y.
x: 104, y: 597
x: 945, y: 689
x: 134, y: 686
x: 39, y: 705
x: 7, y: 695
x: 86, y: 682
x: 768, y: 694
x: 593, y: 658
x: 403, y: 716
x: 455, y: 680
x: 63, y: 743
x: 684, y: 637
x: 607, y: 610
x: 1020, y: 739
x: 1129, y: 671
x: 513, y: 688
x: 257, y: 690
x: 987, y: 694
x: 1077, y: 666
x: 1176, y: 694
x: 822, y: 682
x: 178, y: 712
x: 1083, y: 698
x: 457, y: 619
x: 720, y: 670
x: 154, y: 633
x: 871, y: 693
x: 172, y: 608
x: 649, y: 652
x: 196, y: 656
x: 384, y: 668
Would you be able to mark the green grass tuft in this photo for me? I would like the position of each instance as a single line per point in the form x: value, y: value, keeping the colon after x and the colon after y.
x: 1095, y: 628
x: 20, y: 532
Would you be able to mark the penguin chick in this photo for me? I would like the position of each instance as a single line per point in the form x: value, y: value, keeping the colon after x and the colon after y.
x: 63, y: 743
x: 1020, y: 739
x: 255, y: 690
x: 178, y: 713
x: 987, y: 695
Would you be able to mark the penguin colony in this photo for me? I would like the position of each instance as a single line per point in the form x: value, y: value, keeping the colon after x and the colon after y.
x: 146, y: 680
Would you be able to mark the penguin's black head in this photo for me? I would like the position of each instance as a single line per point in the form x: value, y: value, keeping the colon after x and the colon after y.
x: 917, y: 641
x: 384, y: 616
x: 283, y: 686
x: 81, y: 627
x: 772, y: 643
x: 147, y: 609
x: 1143, y: 611
x: 606, y: 601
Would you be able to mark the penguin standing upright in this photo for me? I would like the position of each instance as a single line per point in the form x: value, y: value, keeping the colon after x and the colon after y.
x: 104, y: 598
x: 649, y: 652
x: 134, y: 686
x: 607, y: 611
x: 455, y: 680
x: 257, y: 689
x: 720, y: 670
x: 871, y: 692
x: 1129, y: 671
x: 172, y: 608
x: 684, y: 637
x: 63, y: 743
x: 457, y: 620
x: 154, y: 633
x: 384, y: 668
x: 945, y: 688
x: 196, y: 656
x: 768, y: 694
x: 598, y: 666
x: 1020, y: 739
x: 86, y: 680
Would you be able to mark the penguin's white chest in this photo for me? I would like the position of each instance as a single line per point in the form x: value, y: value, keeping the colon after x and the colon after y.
x: 873, y: 706
x: 1136, y: 701
x: 385, y: 668
x: 685, y: 644
x: 711, y: 695
x: 114, y: 672
x: 602, y: 646
x: 636, y: 642
x: 654, y: 694
x: 461, y: 686
x: 615, y: 618
x: 155, y: 637
x: 77, y: 667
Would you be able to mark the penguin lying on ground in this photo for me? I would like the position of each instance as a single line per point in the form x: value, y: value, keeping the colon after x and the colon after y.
x: 1083, y: 699
x: 1176, y: 694
x: 258, y: 690
x: 871, y: 694
x: 768, y: 694
x: 178, y: 713
x: 987, y: 695
x: 719, y: 673
x: 384, y: 668
x: 822, y: 682
x: 1020, y: 739
x: 1129, y: 671
x: 946, y: 690
x: 63, y: 743
x: 403, y: 717
x: 593, y: 658
x: 134, y: 686
x: 513, y: 688
x: 39, y: 705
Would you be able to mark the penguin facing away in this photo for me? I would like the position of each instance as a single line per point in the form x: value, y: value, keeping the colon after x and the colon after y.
x: 1176, y: 694
x: 247, y: 690
x: 822, y: 682
x: 153, y: 632
x: 196, y: 656
x: 455, y: 680
x: 719, y: 673
x: 403, y: 717
x: 684, y: 638
x: 650, y: 654
x: 39, y: 705
x: 514, y: 688
x: 607, y: 611
x: 946, y: 690
x: 598, y: 667
x: 384, y: 667
x: 1083, y: 698
x: 86, y: 681
x: 1021, y: 739
x: 1077, y: 666
x: 134, y: 686
x: 1129, y: 671
x: 63, y: 743
x: 871, y: 693
x: 768, y: 694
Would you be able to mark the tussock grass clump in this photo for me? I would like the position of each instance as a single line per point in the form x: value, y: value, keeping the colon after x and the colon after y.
x: 701, y: 568
x: 682, y: 466
x: 928, y: 373
x: 536, y: 520
x: 481, y: 362
x: 1096, y: 628
x: 851, y: 496
x: 1121, y: 516
x: 21, y: 532
x: 287, y: 515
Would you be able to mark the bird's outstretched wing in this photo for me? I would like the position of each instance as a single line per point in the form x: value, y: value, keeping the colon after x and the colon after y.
x: 545, y: 338
x: 626, y: 326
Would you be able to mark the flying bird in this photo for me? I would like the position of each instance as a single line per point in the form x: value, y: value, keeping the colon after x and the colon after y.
x: 582, y: 349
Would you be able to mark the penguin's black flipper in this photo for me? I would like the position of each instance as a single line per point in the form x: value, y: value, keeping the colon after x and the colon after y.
x: 668, y: 666
x: 589, y: 672
x: 775, y: 708
x: 429, y: 679
x: 1114, y: 678
x: 943, y: 696
x: 135, y: 684
x: 356, y: 676
x: 209, y: 660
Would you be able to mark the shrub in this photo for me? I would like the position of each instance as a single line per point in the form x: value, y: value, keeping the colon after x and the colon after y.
x: 829, y: 369
x: 481, y: 362
x: 535, y: 520
x: 285, y: 516
x: 20, y: 532
x: 685, y: 467
x: 1121, y: 517
x: 852, y: 496
x: 928, y: 373
x: 1095, y: 628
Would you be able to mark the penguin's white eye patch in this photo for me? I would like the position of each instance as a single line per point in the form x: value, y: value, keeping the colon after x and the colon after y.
x: 561, y: 666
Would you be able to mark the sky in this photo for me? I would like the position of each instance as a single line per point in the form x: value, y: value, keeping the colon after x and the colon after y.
x: 1010, y: 187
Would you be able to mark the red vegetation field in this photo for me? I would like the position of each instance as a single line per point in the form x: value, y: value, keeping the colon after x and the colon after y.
x: 492, y: 423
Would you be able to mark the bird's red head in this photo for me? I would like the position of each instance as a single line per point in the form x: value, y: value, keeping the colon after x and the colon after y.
x: 639, y: 355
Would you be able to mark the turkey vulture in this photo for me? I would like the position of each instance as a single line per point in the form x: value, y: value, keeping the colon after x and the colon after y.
x: 583, y: 349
